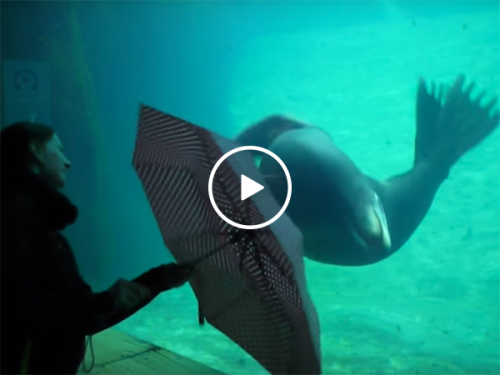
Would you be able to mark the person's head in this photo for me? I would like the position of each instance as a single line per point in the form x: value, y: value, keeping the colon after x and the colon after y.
x: 35, y: 147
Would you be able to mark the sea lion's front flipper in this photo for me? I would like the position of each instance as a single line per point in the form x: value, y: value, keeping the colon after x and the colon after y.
x: 264, y: 132
x: 448, y: 130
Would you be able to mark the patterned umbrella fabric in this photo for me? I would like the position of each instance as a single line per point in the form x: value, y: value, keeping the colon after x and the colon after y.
x: 250, y: 284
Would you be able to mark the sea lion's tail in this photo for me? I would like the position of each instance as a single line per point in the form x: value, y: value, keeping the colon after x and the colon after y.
x: 264, y: 132
x: 450, y: 123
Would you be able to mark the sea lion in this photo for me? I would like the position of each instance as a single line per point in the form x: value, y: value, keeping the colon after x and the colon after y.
x: 349, y: 218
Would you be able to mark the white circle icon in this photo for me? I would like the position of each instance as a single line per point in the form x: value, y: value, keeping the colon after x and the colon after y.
x: 211, y: 193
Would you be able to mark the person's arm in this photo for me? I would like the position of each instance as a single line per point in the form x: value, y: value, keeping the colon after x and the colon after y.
x: 124, y: 312
x: 157, y: 280
x: 43, y: 312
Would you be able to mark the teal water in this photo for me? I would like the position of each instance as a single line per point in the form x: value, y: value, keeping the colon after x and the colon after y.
x: 433, y: 308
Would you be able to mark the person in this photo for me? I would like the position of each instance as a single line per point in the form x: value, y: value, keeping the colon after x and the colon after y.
x: 47, y: 309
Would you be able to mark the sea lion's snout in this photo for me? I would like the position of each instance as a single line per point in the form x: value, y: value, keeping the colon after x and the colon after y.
x: 371, y: 228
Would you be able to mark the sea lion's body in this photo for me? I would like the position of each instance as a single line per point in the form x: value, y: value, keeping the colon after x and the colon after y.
x: 319, y: 203
x: 327, y: 184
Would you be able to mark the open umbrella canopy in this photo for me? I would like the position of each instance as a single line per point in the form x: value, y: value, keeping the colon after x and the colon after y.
x: 250, y: 284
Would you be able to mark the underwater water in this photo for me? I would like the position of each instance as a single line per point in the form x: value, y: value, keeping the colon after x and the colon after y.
x: 431, y: 308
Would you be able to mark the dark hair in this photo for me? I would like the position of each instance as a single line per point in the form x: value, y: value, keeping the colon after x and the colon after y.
x: 15, y: 145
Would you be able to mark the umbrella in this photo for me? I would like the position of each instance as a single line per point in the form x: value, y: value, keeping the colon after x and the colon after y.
x: 250, y: 284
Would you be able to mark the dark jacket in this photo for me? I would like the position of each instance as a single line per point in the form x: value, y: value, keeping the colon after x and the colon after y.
x: 46, y: 306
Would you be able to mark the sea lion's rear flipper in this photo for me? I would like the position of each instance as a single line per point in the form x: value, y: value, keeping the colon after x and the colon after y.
x: 429, y: 105
x: 264, y: 132
x: 447, y: 129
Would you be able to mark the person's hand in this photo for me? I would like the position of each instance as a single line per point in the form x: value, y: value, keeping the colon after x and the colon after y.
x: 128, y: 294
x: 165, y: 277
x: 175, y: 275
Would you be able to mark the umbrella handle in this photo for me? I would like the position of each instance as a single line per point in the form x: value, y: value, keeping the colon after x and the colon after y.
x: 201, y: 317
x: 234, y: 241
x: 195, y: 262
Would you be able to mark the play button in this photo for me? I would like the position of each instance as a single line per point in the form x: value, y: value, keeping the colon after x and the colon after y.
x: 251, y: 183
x: 249, y: 187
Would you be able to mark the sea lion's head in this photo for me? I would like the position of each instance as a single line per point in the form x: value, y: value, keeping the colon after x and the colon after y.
x: 333, y: 198
x: 368, y: 221
x: 359, y: 208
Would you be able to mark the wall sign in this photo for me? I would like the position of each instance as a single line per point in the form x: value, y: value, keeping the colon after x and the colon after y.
x: 26, y: 92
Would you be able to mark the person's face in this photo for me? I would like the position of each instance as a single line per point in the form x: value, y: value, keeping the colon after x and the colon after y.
x: 54, y: 163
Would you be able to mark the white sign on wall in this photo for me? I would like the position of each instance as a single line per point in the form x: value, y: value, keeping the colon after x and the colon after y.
x: 26, y: 91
